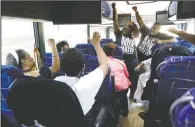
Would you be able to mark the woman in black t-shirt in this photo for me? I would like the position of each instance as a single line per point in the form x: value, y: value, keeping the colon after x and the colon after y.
x: 125, y: 39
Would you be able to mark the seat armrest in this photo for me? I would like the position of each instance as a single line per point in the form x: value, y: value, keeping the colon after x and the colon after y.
x: 101, y: 118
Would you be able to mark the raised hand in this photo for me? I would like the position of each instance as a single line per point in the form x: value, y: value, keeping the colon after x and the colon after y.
x: 51, y: 43
x: 96, y: 39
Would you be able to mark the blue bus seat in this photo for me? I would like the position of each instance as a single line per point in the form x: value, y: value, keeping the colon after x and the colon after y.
x: 177, y: 75
x: 8, y: 75
x: 105, y: 40
x: 47, y: 59
x: 86, y: 49
x: 182, y: 111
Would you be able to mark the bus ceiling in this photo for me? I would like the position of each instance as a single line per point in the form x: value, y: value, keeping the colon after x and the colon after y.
x: 140, y: 2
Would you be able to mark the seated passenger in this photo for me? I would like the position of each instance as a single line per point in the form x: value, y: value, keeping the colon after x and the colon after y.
x: 62, y: 46
x: 22, y: 59
x: 118, y: 68
x: 143, y: 78
x: 86, y: 87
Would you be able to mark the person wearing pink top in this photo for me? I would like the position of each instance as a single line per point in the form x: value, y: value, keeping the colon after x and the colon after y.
x: 121, y: 76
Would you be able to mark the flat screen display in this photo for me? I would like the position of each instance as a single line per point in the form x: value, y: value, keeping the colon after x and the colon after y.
x: 123, y: 19
x: 161, y: 17
x: 186, y: 9
x: 76, y: 12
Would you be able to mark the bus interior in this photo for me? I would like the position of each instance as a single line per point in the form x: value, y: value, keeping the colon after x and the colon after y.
x: 28, y: 25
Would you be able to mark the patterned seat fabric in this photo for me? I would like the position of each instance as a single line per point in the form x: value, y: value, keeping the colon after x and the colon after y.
x: 178, y: 67
x: 184, y: 114
x: 177, y: 75
x: 47, y: 59
x: 106, y: 40
x: 88, y: 49
x: 8, y: 75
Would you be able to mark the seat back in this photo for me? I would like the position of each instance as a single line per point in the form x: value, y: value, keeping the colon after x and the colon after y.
x: 118, y: 53
x: 8, y: 75
x: 177, y: 75
x: 106, y: 40
x: 105, y: 92
x: 47, y: 59
x: 86, y: 49
x: 49, y: 102
x: 182, y: 111
x: 186, y: 44
x: 91, y: 63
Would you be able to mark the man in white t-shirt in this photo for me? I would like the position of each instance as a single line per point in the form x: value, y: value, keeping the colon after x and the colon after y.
x: 86, y: 87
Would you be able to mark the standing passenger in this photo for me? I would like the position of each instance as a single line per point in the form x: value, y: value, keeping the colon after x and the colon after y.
x: 125, y: 39
x: 149, y: 37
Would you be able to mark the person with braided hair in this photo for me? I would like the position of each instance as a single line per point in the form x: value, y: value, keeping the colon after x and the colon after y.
x: 126, y: 39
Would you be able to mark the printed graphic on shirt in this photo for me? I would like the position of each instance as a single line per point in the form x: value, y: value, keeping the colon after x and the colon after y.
x: 146, y: 46
x: 127, y: 45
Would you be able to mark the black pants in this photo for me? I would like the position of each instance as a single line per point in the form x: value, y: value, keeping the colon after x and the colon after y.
x: 122, y: 98
x: 133, y: 76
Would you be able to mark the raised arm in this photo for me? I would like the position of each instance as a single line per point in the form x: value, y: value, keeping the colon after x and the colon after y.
x: 55, y: 57
x: 102, y: 58
x: 185, y: 36
x: 115, y: 18
x: 138, y: 17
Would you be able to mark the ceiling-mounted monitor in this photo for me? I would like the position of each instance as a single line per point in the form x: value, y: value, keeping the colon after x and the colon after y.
x: 123, y: 19
x: 185, y: 9
x: 60, y: 12
x: 162, y: 17
x: 181, y: 10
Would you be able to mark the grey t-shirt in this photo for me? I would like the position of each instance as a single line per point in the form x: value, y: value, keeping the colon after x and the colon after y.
x: 147, y: 41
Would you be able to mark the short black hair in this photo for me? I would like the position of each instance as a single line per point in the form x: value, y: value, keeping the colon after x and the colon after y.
x: 72, y: 62
x: 109, y: 48
x: 11, y: 60
x: 60, y: 44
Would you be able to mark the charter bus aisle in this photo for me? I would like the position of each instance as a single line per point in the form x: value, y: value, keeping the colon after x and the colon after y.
x: 133, y: 119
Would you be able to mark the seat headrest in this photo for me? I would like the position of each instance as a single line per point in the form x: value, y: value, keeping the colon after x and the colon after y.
x: 50, y: 102
x: 9, y: 74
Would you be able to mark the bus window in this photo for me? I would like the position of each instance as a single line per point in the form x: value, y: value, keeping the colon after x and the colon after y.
x: 17, y: 34
x: 50, y: 31
x: 74, y: 34
x: 100, y: 28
